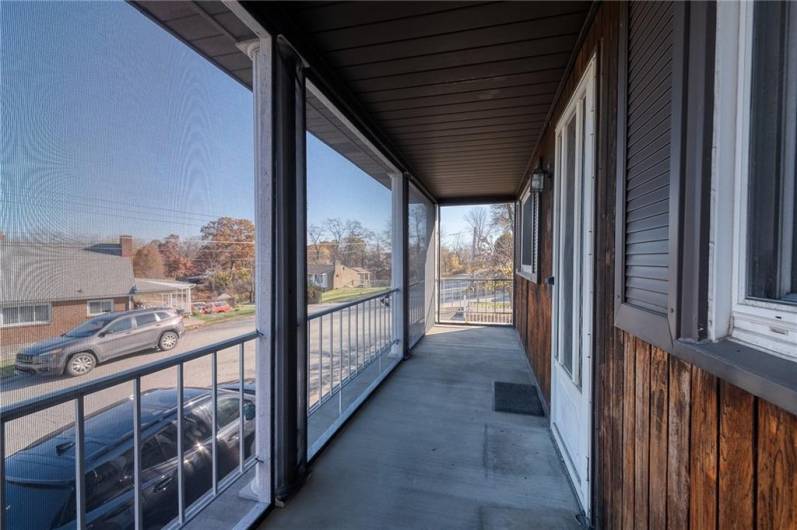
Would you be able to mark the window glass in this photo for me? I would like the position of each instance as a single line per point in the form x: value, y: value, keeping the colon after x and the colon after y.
x: 120, y: 325
x: 26, y: 314
x: 163, y: 315
x: 525, y: 250
x: 227, y: 411
x: 109, y: 479
x: 10, y: 315
x: 772, y: 193
x: 566, y: 240
x: 89, y: 327
x: 195, y: 429
x: 97, y: 307
x: 151, y: 453
x: 167, y: 438
x: 42, y: 313
x: 145, y: 318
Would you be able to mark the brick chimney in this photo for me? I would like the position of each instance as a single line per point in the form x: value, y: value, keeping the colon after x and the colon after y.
x: 126, y: 246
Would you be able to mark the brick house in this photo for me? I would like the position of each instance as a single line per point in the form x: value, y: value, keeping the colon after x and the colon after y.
x: 335, y: 276
x: 46, y: 289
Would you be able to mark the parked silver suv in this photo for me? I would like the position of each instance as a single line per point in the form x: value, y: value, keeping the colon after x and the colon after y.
x: 101, y: 338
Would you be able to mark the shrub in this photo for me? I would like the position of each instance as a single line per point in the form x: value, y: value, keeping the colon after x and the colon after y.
x: 313, y: 294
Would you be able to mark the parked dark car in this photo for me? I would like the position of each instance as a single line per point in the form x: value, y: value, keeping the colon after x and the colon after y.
x: 40, y: 479
x: 101, y: 338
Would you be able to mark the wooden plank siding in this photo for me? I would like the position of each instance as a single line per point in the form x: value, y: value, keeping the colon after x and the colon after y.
x: 673, y: 446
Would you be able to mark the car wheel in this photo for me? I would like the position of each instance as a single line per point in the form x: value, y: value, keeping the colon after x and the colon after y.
x: 168, y: 340
x: 81, y: 364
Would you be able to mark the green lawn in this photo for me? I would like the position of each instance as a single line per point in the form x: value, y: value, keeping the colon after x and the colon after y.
x: 239, y: 311
x: 347, y: 294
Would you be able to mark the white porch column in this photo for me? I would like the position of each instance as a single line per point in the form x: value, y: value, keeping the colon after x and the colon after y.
x: 260, y: 51
x: 398, y: 274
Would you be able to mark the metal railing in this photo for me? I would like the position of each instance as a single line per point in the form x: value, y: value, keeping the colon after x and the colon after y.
x: 78, y: 394
x: 475, y: 300
x: 343, y: 341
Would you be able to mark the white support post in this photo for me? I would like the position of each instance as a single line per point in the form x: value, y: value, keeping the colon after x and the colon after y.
x: 260, y: 51
x: 397, y: 275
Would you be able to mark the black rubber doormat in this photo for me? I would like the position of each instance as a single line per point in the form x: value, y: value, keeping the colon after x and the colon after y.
x: 516, y: 398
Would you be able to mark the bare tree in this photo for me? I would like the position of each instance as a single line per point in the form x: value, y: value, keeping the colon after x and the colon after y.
x: 337, y: 229
x: 316, y: 234
x: 502, y: 217
x: 476, y: 218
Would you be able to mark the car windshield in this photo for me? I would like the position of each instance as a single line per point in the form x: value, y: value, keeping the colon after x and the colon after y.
x: 38, y: 506
x: 89, y: 327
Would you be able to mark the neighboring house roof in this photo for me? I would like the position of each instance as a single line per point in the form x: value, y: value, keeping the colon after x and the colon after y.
x: 157, y: 285
x: 319, y: 268
x: 35, y: 272
x: 360, y: 270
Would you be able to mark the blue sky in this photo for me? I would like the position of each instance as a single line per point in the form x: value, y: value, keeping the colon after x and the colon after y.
x: 110, y: 125
x: 452, y: 222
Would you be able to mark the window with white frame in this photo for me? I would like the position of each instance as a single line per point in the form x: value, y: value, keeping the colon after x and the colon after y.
x: 529, y: 233
x: 756, y: 118
x: 25, y: 315
x: 98, y: 307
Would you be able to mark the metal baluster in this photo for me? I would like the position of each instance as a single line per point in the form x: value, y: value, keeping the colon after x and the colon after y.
x: 340, y: 329
x: 348, y: 351
x: 389, y: 317
x: 331, y: 353
x: 379, y: 307
x: 309, y: 358
x: 241, y: 451
x: 180, y: 448
x: 357, y: 337
x: 137, y: 514
x: 215, y: 427
x: 320, y: 358
x: 370, y: 329
x: 3, y: 513
x: 80, y: 464
x: 340, y: 371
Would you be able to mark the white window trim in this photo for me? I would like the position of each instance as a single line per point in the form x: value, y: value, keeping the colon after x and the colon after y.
x: 98, y: 301
x: 531, y: 271
x: 27, y: 324
x: 768, y: 326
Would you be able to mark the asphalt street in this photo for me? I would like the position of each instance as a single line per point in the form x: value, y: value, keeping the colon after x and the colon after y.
x: 335, y: 349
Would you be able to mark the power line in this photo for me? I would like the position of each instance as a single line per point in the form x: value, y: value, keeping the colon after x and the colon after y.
x: 63, y: 195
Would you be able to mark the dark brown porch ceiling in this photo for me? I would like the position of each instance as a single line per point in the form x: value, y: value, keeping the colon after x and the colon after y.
x: 460, y: 90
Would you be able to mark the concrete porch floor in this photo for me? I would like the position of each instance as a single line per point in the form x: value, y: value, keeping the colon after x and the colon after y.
x: 428, y: 451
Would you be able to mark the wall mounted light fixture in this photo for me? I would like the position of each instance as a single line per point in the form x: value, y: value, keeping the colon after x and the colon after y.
x: 538, y: 178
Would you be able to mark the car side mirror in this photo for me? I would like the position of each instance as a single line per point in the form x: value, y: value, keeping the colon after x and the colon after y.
x: 249, y: 411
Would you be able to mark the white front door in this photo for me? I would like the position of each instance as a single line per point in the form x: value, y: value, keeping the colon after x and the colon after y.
x: 574, y: 199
